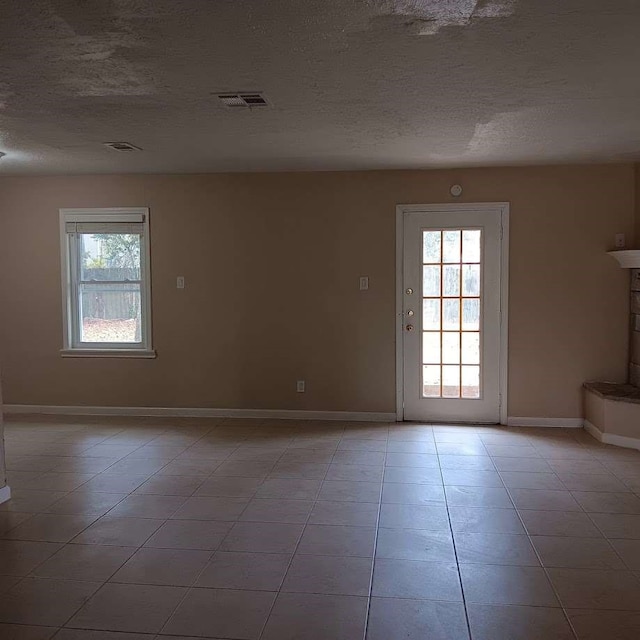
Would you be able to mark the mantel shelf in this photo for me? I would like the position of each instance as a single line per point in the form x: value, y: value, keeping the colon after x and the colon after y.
x: 628, y: 258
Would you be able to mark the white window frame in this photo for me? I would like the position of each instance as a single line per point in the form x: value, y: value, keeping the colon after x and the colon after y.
x: 72, y: 347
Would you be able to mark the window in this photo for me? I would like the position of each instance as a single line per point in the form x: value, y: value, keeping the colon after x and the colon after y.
x: 106, y: 282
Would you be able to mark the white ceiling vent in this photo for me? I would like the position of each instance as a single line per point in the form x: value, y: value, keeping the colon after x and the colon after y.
x: 122, y: 146
x: 242, y: 100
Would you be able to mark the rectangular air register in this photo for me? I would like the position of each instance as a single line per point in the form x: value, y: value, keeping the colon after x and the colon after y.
x: 242, y: 100
x: 122, y: 146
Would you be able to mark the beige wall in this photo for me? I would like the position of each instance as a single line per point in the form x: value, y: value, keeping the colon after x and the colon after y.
x: 271, y: 263
x: 637, y: 207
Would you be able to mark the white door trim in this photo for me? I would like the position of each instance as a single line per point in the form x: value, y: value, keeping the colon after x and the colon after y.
x: 401, y: 210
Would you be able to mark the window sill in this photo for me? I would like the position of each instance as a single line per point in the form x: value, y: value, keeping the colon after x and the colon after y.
x: 108, y: 353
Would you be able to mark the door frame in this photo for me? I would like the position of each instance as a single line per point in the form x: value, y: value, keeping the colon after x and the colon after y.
x: 503, y: 208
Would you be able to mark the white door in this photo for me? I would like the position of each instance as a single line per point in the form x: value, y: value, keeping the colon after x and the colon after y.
x: 453, y: 333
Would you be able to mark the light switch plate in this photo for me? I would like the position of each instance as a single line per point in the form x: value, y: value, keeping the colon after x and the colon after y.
x: 180, y: 282
x: 364, y: 283
x: 620, y: 241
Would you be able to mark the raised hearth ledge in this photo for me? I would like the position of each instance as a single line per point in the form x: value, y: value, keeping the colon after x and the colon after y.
x: 612, y: 413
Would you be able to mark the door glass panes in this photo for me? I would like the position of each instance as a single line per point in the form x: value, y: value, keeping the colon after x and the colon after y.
x: 451, y: 303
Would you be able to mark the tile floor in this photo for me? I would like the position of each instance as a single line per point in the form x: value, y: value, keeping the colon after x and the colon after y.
x: 274, y: 530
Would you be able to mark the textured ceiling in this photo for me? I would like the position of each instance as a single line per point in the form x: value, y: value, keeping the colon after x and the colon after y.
x: 354, y: 84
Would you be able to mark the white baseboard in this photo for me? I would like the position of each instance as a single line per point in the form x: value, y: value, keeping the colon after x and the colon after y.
x: 5, y: 494
x: 200, y: 412
x: 611, y: 438
x: 572, y: 423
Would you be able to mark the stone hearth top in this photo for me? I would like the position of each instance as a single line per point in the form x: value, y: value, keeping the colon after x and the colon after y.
x: 613, y: 391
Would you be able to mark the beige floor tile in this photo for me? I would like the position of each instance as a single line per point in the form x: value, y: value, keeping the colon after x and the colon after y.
x: 362, y: 444
x: 91, y: 563
x: 301, y: 616
x: 307, y: 470
x: 190, y: 467
x: 424, y: 494
x: 19, y: 558
x: 495, y: 584
x: 592, y: 482
x: 11, y: 519
x: 171, y: 567
x: 52, y: 481
x: 121, y: 532
x: 576, y: 553
x: 544, y: 500
x: 29, y: 501
x: 629, y: 551
x: 484, y: 520
x: 114, y: 483
x: 490, y: 622
x: 400, y: 618
x: 45, y: 527
x: 264, y: 537
x: 88, y: 503
x: 605, y: 625
x: 530, y: 465
x: 413, y: 579
x: 618, y: 525
x: 241, y: 570
x: 344, y: 491
x: 349, y: 576
x: 329, y: 540
x: 411, y: 544
x: 461, y: 449
x: 25, y: 632
x: 47, y: 602
x: 411, y: 446
x: 512, y: 451
x: 354, y: 472
x: 229, y: 487
x: 495, y: 548
x: 147, y: 506
x: 272, y: 510
x: 139, y: 466
x: 559, y: 523
x: 596, y: 589
x: 474, y: 463
x: 411, y: 516
x: 85, y: 634
x: 6, y: 582
x: 471, y: 478
x: 169, y: 486
x: 244, y: 469
x: 289, y: 488
x: 413, y: 475
x: 189, y: 534
x: 207, y: 508
x: 221, y: 613
x: 128, y: 607
x: 529, y: 480
x: 355, y: 514
x: 598, y: 502
x: 478, y: 497
x: 359, y: 457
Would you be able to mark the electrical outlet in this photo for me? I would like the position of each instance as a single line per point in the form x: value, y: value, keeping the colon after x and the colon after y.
x: 300, y: 386
x: 180, y: 282
x: 364, y: 283
x: 620, y: 241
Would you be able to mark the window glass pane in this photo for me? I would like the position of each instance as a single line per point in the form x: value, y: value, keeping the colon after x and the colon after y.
x: 450, y: 382
x: 451, y: 347
x: 451, y: 314
x: 431, y: 381
x: 431, y: 314
x: 110, y: 313
x: 109, y: 256
x: 431, y: 246
x: 451, y: 246
x: 470, y: 348
x: 471, y: 280
x: 470, y: 382
x: 431, y: 347
x: 431, y: 281
x: 471, y: 245
x: 451, y: 275
x: 471, y: 314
